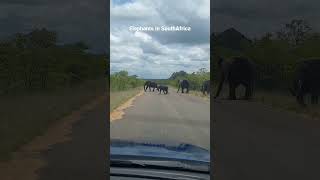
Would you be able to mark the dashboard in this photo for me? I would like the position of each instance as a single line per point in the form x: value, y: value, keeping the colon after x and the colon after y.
x: 119, y: 173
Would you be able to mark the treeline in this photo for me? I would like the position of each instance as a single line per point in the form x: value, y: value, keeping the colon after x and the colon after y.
x: 275, y: 54
x: 35, y: 61
x: 195, y: 79
x: 121, y: 81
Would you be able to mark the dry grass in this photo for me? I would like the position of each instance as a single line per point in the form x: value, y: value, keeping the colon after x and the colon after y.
x: 287, y: 102
x: 280, y: 100
x: 119, y: 97
x: 22, y: 117
x: 118, y: 112
x: 200, y: 94
x: 28, y: 159
x: 193, y: 92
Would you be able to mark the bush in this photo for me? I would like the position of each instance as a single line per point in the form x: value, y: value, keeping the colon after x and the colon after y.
x: 195, y: 79
x: 35, y: 61
x: 121, y: 81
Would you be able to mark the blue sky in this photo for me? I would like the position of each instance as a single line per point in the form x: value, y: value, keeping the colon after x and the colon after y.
x: 159, y: 54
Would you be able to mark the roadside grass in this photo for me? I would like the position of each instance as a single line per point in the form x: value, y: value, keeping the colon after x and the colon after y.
x: 287, y: 102
x: 24, y: 116
x: 279, y: 100
x: 119, y: 97
x: 200, y: 94
x: 192, y: 92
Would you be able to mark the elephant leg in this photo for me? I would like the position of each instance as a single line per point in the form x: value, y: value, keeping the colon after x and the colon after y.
x: 300, y: 93
x: 232, y: 91
x: 300, y: 99
x: 314, y: 99
x: 250, y: 90
x: 247, y: 93
x: 182, y: 90
x: 187, y: 89
x: 219, y: 87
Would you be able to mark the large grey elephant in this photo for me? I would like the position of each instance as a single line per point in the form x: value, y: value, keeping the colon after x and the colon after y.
x: 206, y: 87
x: 183, y: 84
x: 307, y: 80
x: 149, y: 84
x: 237, y: 71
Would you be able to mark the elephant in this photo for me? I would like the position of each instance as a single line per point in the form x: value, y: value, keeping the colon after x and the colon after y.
x: 150, y: 84
x: 162, y: 88
x: 306, y: 80
x: 206, y: 87
x: 238, y: 71
x: 183, y: 84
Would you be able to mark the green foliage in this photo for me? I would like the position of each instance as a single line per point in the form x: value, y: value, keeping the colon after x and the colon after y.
x: 121, y: 81
x: 177, y: 74
x: 34, y: 61
x: 276, y: 54
x: 195, y: 79
x: 40, y: 82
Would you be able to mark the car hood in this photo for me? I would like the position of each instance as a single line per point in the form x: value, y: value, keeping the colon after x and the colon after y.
x: 183, y: 152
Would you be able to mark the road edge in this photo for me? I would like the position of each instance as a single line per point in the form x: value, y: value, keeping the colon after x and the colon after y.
x: 28, y: 159
x: 118, y: 112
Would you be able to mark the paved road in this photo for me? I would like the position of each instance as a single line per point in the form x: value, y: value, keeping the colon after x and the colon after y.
x: 172, y: 118
x: 254, y: 142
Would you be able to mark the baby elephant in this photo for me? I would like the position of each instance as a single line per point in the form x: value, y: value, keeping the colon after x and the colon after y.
x: 162, y: 88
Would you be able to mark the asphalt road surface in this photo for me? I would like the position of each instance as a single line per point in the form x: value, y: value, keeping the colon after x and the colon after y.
x: 173, y: 118
x: 253, y: 141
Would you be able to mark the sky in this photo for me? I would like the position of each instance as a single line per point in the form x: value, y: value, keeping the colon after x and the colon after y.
x: 73, y: 20
x: 156, y: 55
x: 88, y: 20
x: 254, y: 18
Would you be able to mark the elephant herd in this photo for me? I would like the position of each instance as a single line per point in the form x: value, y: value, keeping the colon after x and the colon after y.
x: 154, y: 85
x: 241, y: 71
x: 183, y: 85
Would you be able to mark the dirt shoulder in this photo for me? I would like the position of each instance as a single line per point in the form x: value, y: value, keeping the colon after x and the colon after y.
x: 28, y: 159
x: 127, y: 101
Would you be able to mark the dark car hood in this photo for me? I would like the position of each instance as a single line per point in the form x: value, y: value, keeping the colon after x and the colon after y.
x: 184, y: 152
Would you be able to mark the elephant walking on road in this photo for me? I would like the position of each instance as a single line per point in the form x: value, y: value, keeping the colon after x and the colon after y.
x: 162, y: 88
x: 183, y: 84
x: 239, y: 71
x: 206, y: 87
x: 150, y: 84
x: 307, y: 81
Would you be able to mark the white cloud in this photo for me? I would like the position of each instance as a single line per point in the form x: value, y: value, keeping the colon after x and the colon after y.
x: 159, y: 54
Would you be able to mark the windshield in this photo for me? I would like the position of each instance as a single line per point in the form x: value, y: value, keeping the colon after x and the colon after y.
x: 160, y: 84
